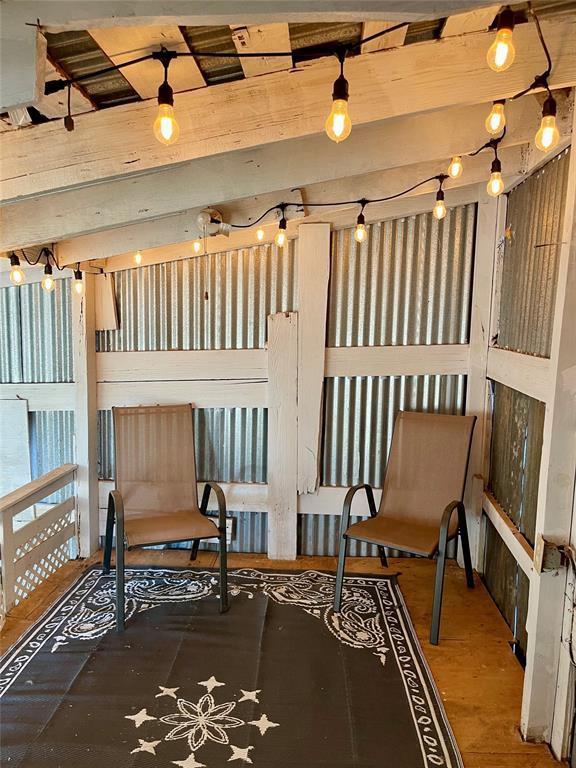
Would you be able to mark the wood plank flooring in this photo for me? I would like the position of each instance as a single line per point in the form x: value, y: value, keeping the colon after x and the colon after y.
x: 479, y: 679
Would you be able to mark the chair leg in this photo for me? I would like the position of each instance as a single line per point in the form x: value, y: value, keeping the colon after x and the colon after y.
x: 194, y: 549
x: 223, y: 574
x: 340, y: 573
x: 120, y: 607
x: 383, y: 558
x: 108, y: 541
x: 438, y: 589
x: 463, y: 529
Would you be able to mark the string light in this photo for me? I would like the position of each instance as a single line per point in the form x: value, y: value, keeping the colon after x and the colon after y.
x: 360, y: 233
x: 78, y: 282
x: 48, y: 282
x: 197, y: 246
x: 439, y: 209
x: 455, y: 168
x: 281, y: 235
x: 137, y: 258
x: 338, y: 124
x: 495, y: 184
x: 259, y: 234
x: 548, y: 134
x: 500, y: 55
x: 16, y: 273
x: 496, y: 120
x: 166, y: 128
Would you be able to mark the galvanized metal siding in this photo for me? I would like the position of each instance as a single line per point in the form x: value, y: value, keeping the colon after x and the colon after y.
x: 231, y: 444
x: 359, y: 415
x: 410, y: 283
x: 36, y: 334
x: 320, y: 535
x: 250, y: 533
x: 163, y: 306
x: 530, y: 266
x: 51, y: 444
x: 517, y: 428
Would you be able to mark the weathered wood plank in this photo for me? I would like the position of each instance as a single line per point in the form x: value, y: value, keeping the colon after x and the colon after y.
x: 35, y: 491
x: 525, y: 373
x: 397, y: 361
x: 262, y: 37
x: 202, y: 394
x: 391, y: 40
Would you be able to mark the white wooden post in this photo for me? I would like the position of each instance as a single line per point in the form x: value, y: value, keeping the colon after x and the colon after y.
x: 282, y: 435
x: 313, y: 258
x: 8, y: 571
x: 85, y: 416
x: 486, y: 244
x: 555, y: 493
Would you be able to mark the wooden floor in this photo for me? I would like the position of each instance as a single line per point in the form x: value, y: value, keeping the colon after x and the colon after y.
x: 479, y: 679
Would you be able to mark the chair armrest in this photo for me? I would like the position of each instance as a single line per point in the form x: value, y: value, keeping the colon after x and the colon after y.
x: 221, y: 499
x: 116, y: 505
x: 345, y: 519
x: 447, y: 516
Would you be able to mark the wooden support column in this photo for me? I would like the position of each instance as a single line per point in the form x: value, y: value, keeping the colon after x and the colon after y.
x: 313, y: 255
x: 491, y: 214
x: 282, y: 435
x: 85, y: 419
x: 555, y: 498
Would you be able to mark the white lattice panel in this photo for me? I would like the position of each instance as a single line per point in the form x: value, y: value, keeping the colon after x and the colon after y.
x: 39, y: 572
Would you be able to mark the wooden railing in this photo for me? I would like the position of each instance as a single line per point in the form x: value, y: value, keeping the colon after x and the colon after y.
x: 36, y: 537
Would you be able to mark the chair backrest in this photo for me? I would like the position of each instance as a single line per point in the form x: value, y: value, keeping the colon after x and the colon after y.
x: 427, y: 465
x: 155, y: 462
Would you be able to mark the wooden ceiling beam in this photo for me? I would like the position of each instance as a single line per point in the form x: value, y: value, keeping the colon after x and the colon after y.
x: 472, y: 21
x: 210, y: 181
x: 278, y: 106
x: 263, y: 37
x: 391, y: 40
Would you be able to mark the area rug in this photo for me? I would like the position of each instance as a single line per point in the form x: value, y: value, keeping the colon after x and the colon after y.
x: 279, y: 681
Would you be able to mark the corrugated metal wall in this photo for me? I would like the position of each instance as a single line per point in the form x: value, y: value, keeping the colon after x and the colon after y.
x: 517, y: 427
x: 36, y: 334
x: 51, y: 444
x: 409, y: 283
x: 162, y: 307
x: 530, y: 266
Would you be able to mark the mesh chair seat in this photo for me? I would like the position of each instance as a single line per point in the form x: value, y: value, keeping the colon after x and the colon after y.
x: 407, y: 535
x: 156, y: 528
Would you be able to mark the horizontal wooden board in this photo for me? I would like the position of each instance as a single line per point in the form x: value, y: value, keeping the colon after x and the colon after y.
x: 41, y: 397
x: 202, y: 394
x: 524, y: 373
x: 510, y: 535
x: 397, y: 361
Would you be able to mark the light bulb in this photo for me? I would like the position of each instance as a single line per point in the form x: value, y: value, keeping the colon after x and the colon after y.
x: 197, y: 246
x: 495, y: 184
x: 48, y: 282
x: 455, y: 168
x: 259, y: 234
x: 16, y: 273
x: 500, y: 55
x: 281, y: 238
x: 138, y: 258
x: 78, y: 282
x: 548, y: 134
x: 166, y: 128
x: 360, y: 233
x: 338, y: 124
x: 439, y: 209
x: 496, y: 120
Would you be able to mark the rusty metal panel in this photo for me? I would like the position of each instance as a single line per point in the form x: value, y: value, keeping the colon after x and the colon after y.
x: 517, y: 427
x: 231, y: 444
x: 37, y: 334
x: 359, y: 413
x: 530, y: 263
x: 409, y: 283
x: 508, y: 585
x: 163, y: 306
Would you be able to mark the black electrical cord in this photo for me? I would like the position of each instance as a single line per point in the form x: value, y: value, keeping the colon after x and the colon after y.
x: 491, y: 144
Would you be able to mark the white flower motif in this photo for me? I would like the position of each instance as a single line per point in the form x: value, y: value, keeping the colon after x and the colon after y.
x: 202, y: 721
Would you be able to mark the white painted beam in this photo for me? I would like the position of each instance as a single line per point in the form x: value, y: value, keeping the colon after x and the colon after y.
x: 41, y: 397
x: 447, y: 72
x: 282, y: 435
x: 121, y: 44
x: 85, y: 416
x: 515, y: 542
x: 524, y: 373
x: 413, y: 360
x: 202, y: 394
x: 262, y: 38
x: 472, y: 21
x: 391, y: 40
x: 22, y: 59
x: 313, y: 270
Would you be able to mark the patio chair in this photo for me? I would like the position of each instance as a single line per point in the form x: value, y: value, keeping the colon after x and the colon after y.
x: 423, y: 488
x: 155, y: 500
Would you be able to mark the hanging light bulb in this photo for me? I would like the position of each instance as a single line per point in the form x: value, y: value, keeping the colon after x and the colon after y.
x: 259, y: 234
x: 439, y: 209
x: 500, y: 55
x: 338, y: 124
x: 455, y: 168
x: 281, y: 236
x: 495, y: 184
x: 496, y: 120
x: 197, y: 246
x: 166, y: 129
x: 16, y: 273
x: 360, y: 233
x: 78, y: 282
x: 137, y: 258
x: 548, y: 134
x: 48, y: 282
